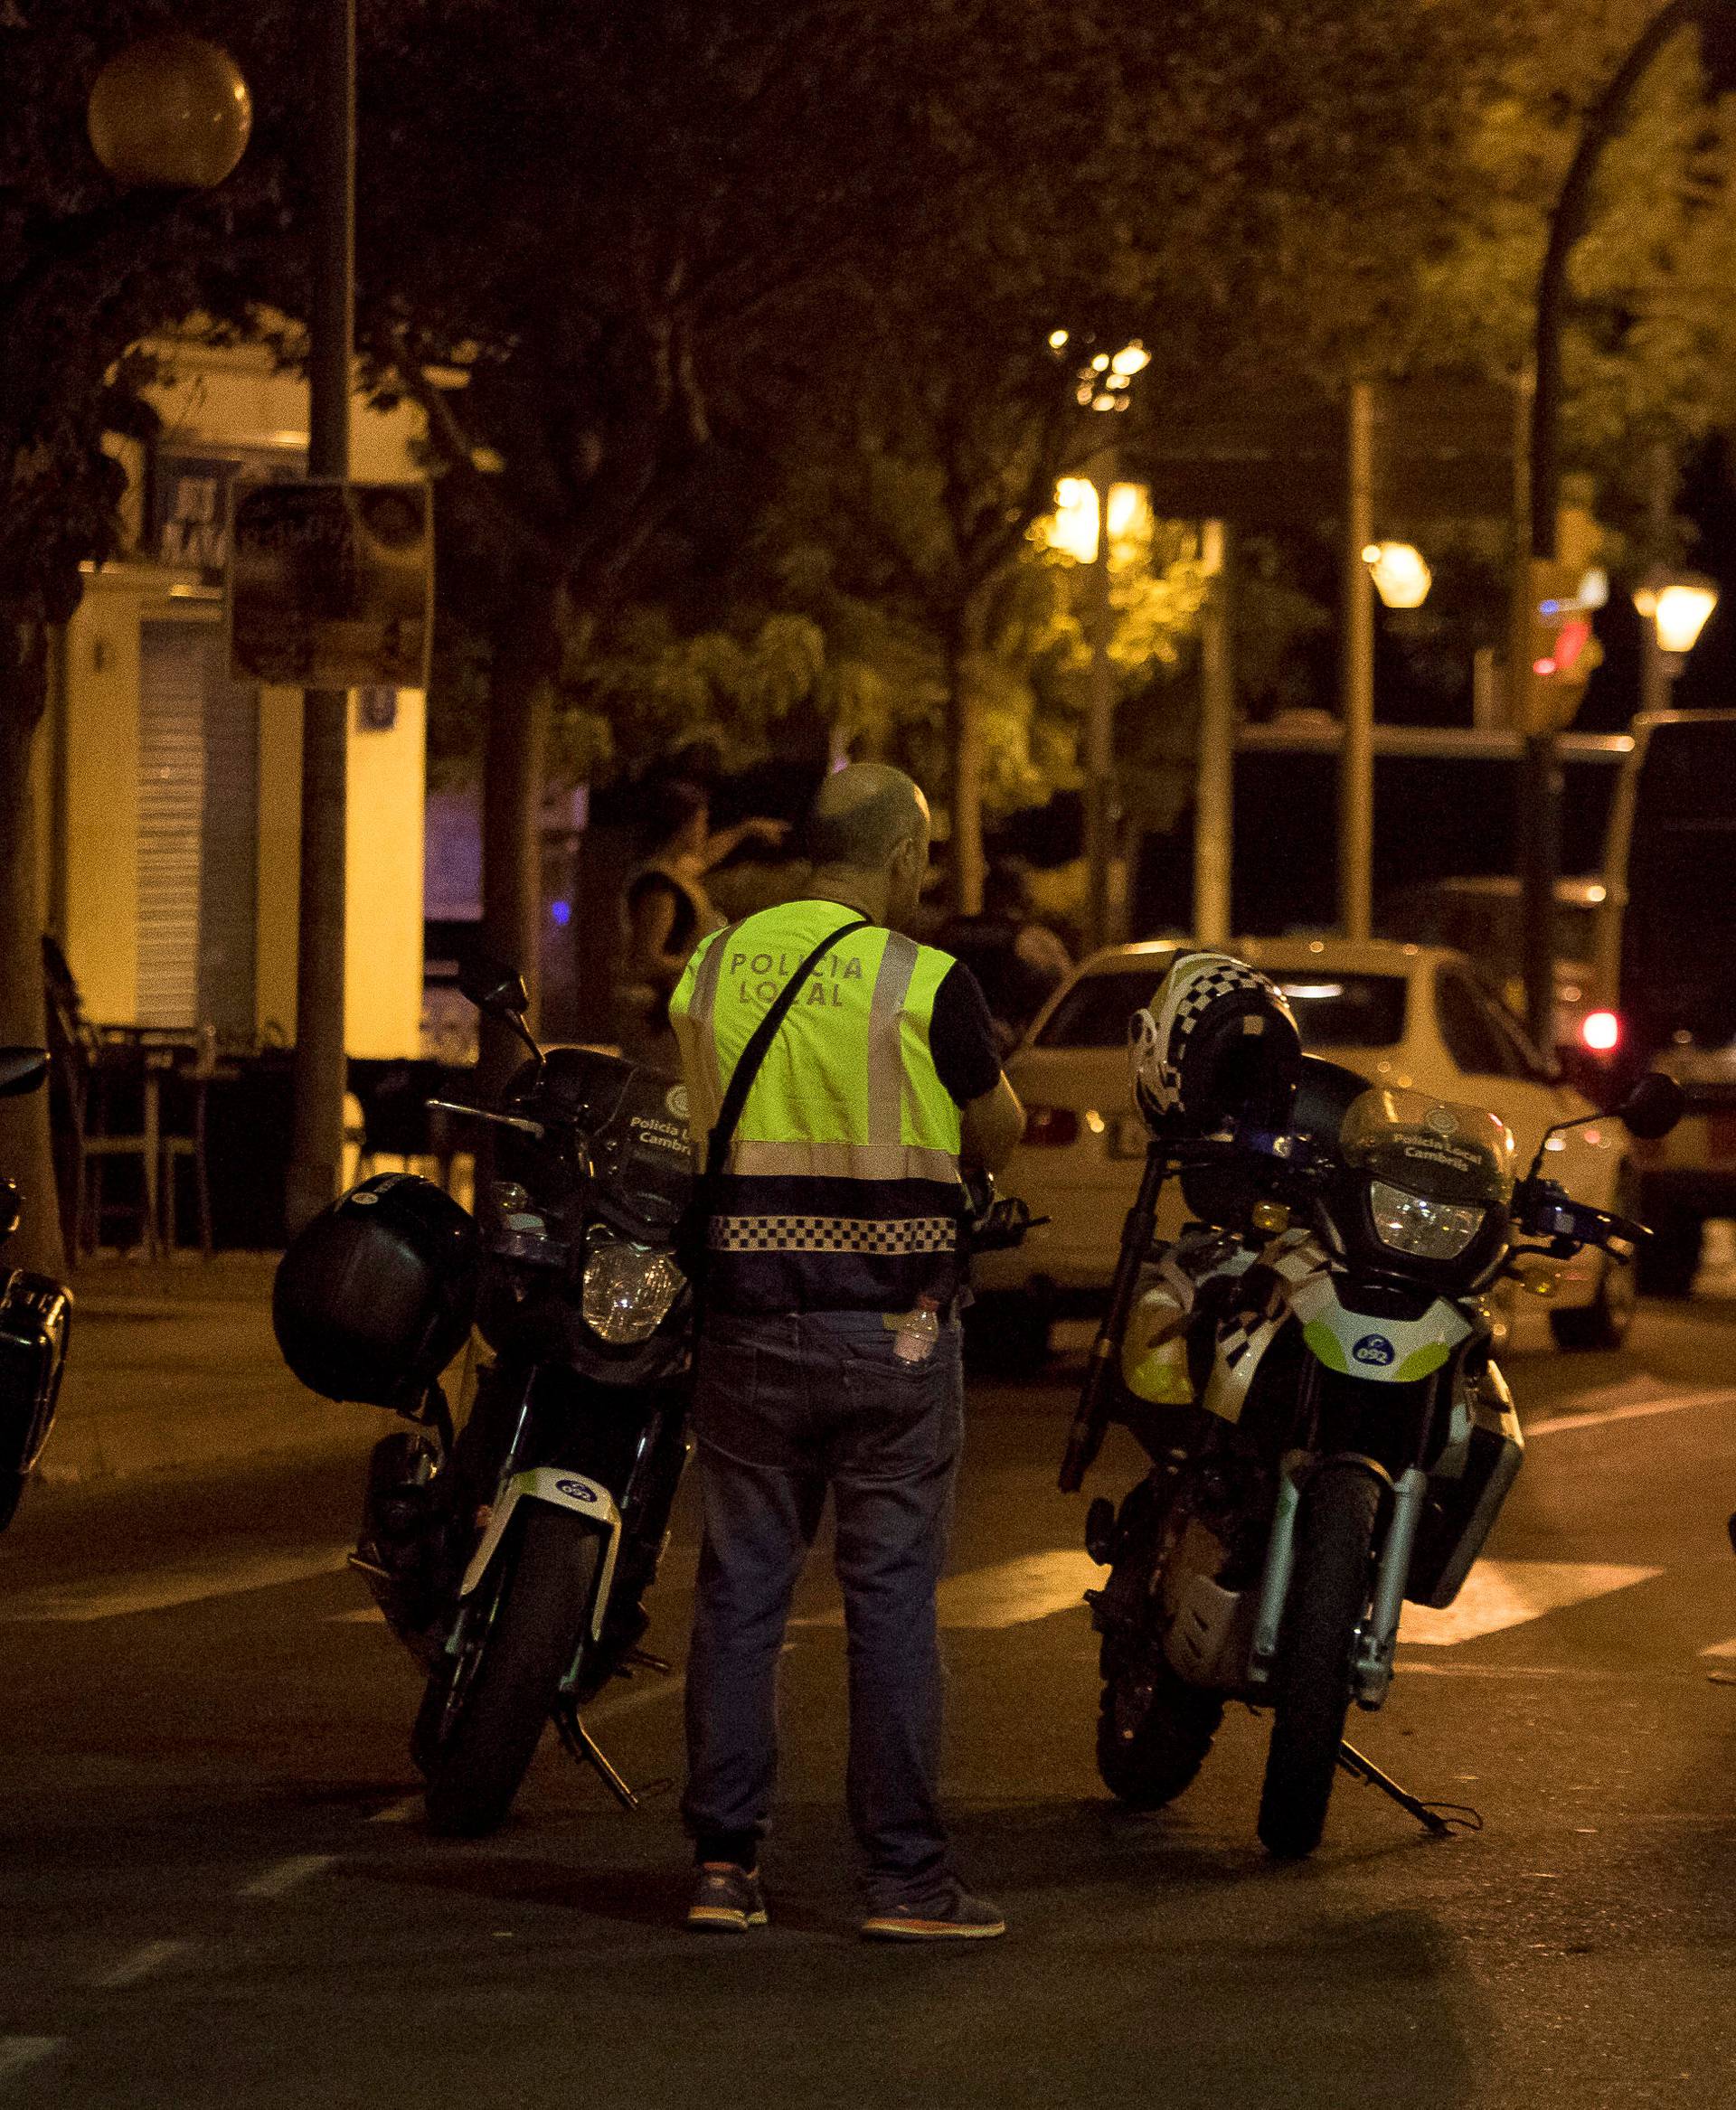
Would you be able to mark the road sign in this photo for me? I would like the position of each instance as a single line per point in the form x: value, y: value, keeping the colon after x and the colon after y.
x: 1442, y: 451
x: 331, y: 585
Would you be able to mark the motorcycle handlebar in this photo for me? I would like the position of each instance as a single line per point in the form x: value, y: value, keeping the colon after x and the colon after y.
x: 1547, y: 1211
x: 522, y: 1123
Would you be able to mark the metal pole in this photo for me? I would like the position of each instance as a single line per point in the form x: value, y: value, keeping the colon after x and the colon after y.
x: 1099, y: 721
x: 317, y: 1156
x: 1216, y: 778
x: 1540, y: 791
x: 1653, y: 668
x: 1356, y: 672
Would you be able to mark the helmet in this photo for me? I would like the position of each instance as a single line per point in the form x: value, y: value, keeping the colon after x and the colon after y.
x: 1218, y: 1044
x: 376, y: 1295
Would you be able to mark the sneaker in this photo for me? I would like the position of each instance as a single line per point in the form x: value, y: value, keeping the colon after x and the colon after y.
x: 727, y: 1899
x: 952, y: 1916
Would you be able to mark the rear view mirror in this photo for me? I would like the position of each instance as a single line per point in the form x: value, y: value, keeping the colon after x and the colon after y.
x: 1652, y: 1107
x: 492, y: 986
x: 22, y: 1070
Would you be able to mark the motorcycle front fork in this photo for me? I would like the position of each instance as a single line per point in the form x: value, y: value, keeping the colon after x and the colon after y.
x: 1377, y: 1638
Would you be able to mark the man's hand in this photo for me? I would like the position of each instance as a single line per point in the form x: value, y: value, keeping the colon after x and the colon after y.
x: 992, y: 1126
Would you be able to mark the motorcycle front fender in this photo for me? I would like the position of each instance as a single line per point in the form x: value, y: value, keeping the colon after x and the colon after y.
x: 1383, y: 1352
x: 588, y: 1501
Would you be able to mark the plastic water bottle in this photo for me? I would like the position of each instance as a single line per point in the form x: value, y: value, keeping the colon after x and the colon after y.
x: 918, y: 1331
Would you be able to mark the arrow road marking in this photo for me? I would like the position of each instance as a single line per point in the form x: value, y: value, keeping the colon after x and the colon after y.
x: 1499, y: 1594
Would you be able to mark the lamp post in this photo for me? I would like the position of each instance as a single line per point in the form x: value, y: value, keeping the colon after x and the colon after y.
x: 1102, y: 384
x: 1540, y: 790
x: 1673, y: 611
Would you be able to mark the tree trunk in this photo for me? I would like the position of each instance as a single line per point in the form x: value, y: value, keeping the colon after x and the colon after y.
x: 524, y: 662
x: 964, y: 742
x: 26, y: 1151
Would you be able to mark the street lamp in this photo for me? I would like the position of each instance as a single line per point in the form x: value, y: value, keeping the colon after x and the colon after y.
x: 172, y: 112
x: 1672, y: 612
x: 1102, y: 382
x: 1400, y: 574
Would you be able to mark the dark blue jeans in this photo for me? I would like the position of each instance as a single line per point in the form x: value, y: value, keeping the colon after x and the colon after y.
x: 785, y: 1408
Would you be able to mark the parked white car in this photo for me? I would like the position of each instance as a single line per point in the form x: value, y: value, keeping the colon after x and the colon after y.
x: 1402, y: 1015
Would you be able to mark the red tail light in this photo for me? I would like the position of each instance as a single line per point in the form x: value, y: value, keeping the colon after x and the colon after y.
x: 1046, y: 1127
x: 1601, y: 1031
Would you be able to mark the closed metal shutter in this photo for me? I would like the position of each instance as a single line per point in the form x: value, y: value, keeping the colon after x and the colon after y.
x: 198, y: 832
x: 229, y: 868
x: 171, y: 806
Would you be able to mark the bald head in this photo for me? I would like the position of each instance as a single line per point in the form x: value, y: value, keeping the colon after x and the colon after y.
x: 862, y: 813
x: 870, y: 823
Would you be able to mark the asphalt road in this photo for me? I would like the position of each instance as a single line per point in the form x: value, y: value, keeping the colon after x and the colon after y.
x: 214, y: 1891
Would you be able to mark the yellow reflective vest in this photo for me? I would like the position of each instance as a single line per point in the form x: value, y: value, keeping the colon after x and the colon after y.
x: 841, y: 1191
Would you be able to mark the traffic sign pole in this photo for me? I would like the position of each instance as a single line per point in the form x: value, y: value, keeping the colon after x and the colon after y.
x: 317, y: 1160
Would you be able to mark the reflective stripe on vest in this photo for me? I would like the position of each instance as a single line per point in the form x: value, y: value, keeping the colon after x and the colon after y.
x: 848, y: 1141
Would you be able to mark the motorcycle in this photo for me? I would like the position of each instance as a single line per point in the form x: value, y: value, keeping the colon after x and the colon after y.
x: 514, y: 1558
x: 35, y: 1323
x: 1309, y: 1370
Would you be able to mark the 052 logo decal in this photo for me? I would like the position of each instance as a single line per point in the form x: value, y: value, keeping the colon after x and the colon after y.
x: 1374, y: 1348
x: 577, y: 1489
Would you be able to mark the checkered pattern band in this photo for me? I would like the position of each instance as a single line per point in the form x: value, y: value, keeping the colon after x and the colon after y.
x: 833, y: 1234
x: 1232, y: 979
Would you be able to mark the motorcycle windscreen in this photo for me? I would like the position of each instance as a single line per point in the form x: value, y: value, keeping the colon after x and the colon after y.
x: 644, y: 1160
x: 1438, y: 1148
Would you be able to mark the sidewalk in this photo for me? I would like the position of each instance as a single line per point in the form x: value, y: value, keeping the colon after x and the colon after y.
x: 172, y: 1365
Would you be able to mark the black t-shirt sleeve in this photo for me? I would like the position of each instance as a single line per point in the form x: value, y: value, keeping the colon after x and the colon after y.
x: 961, y: 1037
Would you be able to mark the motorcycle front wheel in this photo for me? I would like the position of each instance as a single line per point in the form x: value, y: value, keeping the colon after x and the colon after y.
x: 474, y: 1753
x: 1329, y: 1594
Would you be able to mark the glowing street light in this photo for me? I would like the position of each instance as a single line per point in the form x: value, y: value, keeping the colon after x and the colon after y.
x: 1677, y: 610
x: 1400, y: 574
x: 1072, y: 527
x: 172, y: 111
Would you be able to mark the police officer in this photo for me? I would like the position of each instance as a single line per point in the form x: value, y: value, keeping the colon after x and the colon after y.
x: 831, y: 1353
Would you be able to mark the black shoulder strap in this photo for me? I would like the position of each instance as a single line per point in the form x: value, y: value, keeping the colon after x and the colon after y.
x: 746, y: 1068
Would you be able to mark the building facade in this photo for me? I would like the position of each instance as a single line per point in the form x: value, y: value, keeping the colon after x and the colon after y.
x: 169, y: 794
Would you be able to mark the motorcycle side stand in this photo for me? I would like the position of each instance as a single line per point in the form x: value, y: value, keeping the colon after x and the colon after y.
x: 1430, y: 1818
x: 583, y: 1748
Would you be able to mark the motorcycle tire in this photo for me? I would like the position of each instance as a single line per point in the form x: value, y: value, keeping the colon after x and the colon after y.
x: 1329, y: 1594
x: 1161, y: 1758
x: 477, y: 1767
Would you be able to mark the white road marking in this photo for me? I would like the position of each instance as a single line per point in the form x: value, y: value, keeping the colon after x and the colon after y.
x: 1627, y: 1410
x: 1721, y: 1648
x: 143, y: 1963
x: 1499, y: 1594
x: 284, y: 1876
x: 18, y: 2054
x: 1012, y: 1593
x: 400, y: 1813
x: 160, y: 1590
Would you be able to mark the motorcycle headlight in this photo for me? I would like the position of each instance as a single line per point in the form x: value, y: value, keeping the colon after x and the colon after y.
x: 1427, y: 1230
x: 628, y: 1290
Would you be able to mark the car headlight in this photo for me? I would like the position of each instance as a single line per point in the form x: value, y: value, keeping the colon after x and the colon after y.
x: 1427, y: 1230
x: 628, y: 1289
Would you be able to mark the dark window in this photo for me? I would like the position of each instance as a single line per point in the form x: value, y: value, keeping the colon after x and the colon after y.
x: 1332, y: 1009
x: 1469, y: 1031
x: 1346, y: 1011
